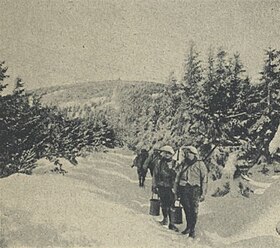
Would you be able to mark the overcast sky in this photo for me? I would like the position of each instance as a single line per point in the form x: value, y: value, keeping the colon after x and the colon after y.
x: 49, y: 42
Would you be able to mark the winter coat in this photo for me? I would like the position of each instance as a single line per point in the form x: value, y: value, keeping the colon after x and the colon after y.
x: 164, y: 175
x: 192, y: 174
x: 139, y: 160
x: 150, y: 162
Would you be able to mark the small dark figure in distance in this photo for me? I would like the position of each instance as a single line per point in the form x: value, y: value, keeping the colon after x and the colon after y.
x: 138, y: 162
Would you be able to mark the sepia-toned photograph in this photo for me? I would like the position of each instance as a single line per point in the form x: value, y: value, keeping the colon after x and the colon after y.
x: 140, y: 123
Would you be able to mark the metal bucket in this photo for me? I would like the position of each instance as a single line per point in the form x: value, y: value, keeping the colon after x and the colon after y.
x: 176, y: 214
x: 154, y: 206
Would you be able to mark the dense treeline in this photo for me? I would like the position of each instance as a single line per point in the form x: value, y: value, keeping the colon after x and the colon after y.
x: 129, y: 109
x: 214, y: 104
x: 30, y: 131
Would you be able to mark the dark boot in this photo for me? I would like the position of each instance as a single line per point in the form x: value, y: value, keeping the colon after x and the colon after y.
x: 173, y: 227
x: 192, y: 234
x: 143, y: 180
x: 140, y: 182
x: 164, y: 222
x: 165, y: 219
x: 186, y: 231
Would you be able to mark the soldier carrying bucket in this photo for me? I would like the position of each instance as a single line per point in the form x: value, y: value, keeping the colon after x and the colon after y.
x: 163, y: 181
x: 190, y: 185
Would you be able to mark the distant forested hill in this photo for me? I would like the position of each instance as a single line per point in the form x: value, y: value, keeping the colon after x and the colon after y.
x: 126, y: 106
x: 92, y: 92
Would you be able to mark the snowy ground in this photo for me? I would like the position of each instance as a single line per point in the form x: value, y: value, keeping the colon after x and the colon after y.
x: 99, y: 204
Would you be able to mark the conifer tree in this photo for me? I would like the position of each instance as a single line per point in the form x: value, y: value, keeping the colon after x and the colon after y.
x: 189, y: 93
x: 224, y: 90
x: 192, y: 79
x: 3, y: 75
x: 266, y: 105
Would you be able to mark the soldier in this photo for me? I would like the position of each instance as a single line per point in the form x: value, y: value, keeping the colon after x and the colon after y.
x: 139, y: 162
x: 163, y: 180
x: 190, y: 185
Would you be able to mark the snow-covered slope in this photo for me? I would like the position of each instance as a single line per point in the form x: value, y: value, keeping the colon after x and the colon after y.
x: 99, y: 204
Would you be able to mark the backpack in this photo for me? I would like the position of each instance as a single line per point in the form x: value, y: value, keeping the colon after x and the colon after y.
x: 139, y: 160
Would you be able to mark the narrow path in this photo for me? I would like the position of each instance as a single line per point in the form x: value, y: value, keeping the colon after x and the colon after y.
x: 112, y: 174
x: 99, y: 204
